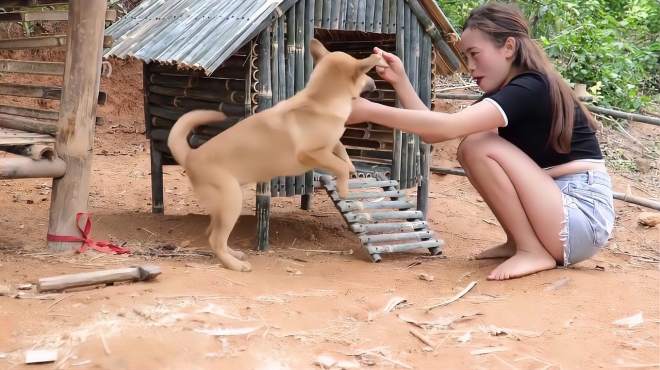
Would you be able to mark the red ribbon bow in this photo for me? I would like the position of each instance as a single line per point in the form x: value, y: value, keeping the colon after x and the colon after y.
x: 87, y: 242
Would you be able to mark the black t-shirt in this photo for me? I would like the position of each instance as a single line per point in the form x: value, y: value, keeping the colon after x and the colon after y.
x: 525, y: 104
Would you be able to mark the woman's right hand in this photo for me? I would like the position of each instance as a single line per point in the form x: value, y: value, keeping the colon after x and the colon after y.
x: 395, y: 73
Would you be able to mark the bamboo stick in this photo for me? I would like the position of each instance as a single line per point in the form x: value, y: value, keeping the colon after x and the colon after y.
x: 41, y: 92
x: 343, y: 8
x: 75, y: 138
x: 265, y: 102
x: 413, y: 154
x: 394, y: 248
x: 155, y: 156
x: 188, y: 81
x: 30, y: 112
x: 389, y: 227
x: 34, y: 151
x: 412, y: 236
x: 42, y: 42
x: 407, y: 31
x: 232, y: 97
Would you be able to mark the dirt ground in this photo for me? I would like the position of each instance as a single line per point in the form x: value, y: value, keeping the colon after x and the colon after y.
x: 315, y: 295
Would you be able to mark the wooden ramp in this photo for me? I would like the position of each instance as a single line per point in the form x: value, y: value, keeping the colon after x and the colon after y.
x: 382, y: 216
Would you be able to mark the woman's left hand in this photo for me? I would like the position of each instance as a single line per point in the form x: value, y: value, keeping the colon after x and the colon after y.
x: 360, y: 111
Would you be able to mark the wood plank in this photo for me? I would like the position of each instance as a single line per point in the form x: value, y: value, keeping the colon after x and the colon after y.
x: 38, y: 42
x: 31, y: 67
x: 48, y: 15
x: 40, y: 92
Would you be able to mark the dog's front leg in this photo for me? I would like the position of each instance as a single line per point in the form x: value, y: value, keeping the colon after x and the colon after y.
x: 329, y: 161
x: 340, y: 151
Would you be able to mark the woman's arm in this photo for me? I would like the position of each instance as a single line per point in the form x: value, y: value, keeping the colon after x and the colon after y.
x: 431, y: 126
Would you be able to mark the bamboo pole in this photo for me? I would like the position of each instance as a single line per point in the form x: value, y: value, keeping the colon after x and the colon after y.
x: 265, y: 102
x: 407, y: 61
x: 394, y: 6
x: 426, y: 84
x: 31, y: 67
x: 291, y: 71
x: 306, y: 199
x: 327, y: 14
x: 318, y: 13
x: 334, y: 14
x: 343, y: 7
x: 275, y: 68
x: 155, y: 155
x: 385, y: 20
x: 33, y: 151
x: 82, y: 76
x: 29, y: 124
x: 361, y: 15
x: 369, y: 15
x: 610, y: 112
x: 378, y: 17
x: 413, y: 149
x: 649, y: 203
x: 31, y: 112
x: 351, y: 14
x: 441, y: 45
x: 24, y: 168
x: 299, y: 180
x: 52, y: 15
x: 280, y: 182
x: 397, y: 154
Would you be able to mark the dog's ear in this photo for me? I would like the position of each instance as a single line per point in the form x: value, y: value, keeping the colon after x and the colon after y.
x: 372, y: 61
x: 317, y: 50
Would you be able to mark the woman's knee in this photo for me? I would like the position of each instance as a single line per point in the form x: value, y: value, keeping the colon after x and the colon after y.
x: 475, y: 146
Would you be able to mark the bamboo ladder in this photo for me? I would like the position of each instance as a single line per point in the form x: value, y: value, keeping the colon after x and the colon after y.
x: 48, y: 143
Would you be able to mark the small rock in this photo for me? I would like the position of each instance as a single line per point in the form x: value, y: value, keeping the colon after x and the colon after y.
x: 185, y: 244
x: 643, y: 165
x: 650, y: 219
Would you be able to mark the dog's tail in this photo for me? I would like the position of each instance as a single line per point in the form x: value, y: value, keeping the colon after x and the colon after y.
x: 178, y: 139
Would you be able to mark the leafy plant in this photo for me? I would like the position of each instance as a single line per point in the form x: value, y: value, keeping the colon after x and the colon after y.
x: 613, y: 46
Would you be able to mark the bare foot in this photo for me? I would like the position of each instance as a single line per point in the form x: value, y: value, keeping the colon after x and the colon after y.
x: 523, y: 263
x: 504, y: 250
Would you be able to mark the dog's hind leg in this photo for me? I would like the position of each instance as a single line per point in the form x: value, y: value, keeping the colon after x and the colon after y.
x: 225, y: 202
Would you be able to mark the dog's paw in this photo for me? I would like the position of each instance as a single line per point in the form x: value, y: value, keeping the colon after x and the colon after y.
x: 238, y: 254
x: 232, y: 263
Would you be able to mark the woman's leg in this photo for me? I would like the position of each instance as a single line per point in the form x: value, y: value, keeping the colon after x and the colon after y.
x: 524, y: 199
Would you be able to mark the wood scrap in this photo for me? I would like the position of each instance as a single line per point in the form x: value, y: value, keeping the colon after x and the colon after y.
x: 423, y: 338
x: 487, y: 350
x: 454, y: 298
x: 630, y: 321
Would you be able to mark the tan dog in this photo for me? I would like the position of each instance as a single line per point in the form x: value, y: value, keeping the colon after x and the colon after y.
x: 295, y: 136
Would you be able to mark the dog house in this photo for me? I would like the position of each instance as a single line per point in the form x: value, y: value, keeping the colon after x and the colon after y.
x: 241, y: 57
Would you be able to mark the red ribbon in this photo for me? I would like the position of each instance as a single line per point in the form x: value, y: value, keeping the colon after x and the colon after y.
x: 87, y: 242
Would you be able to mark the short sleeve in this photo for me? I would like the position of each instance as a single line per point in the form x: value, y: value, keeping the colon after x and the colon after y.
x: 522, y: 99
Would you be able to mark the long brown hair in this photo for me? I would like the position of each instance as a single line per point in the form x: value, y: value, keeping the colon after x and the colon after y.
x: 500, y: 22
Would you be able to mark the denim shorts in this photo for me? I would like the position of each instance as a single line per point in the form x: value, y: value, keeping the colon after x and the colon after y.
x: 588, y: 214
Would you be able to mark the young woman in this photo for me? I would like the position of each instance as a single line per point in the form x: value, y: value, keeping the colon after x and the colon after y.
x: 529, y: 149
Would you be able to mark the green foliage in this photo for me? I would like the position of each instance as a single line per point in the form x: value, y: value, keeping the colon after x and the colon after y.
x: 611, y: 45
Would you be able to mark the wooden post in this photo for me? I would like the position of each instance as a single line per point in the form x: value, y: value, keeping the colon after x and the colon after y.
x: 82, y: 76
x: 318, y: 13
x: 265, y: 102
x: 306, y: 199
x: 156, y: 156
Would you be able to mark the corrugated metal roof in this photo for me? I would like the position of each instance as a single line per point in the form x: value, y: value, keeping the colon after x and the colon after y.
x: 194, y: 33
